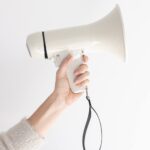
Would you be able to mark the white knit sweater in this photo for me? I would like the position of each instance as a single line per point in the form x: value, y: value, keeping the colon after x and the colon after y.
x: 21, y: 137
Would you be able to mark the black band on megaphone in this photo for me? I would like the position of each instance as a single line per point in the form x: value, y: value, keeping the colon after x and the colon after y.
x: 44, y: 44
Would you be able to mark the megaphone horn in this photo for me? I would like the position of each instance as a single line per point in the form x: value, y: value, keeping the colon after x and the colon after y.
x: 104, y: 35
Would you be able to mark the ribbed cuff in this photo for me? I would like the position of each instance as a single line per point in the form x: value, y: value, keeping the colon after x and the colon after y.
x: 22, y: 136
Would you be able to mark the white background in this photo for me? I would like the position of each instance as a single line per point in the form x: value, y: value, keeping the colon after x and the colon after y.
x: 120, y: 92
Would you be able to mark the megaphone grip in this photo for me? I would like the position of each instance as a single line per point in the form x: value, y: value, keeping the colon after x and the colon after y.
x: 71, y: 68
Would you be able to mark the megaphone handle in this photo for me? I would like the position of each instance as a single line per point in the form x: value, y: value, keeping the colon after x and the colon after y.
x: 58, y: 58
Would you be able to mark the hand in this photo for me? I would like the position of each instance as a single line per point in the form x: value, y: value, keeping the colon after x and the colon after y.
x: 62, y: 87
x: 43, y: 118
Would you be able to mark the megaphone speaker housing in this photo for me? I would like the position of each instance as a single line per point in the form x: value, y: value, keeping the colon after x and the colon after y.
x: 104, y: 35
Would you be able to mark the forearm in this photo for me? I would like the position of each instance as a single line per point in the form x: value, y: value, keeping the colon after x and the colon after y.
x: 62, y: 96
x: 45, y: 115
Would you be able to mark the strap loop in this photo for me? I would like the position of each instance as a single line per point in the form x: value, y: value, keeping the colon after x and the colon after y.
x: 88, y: 121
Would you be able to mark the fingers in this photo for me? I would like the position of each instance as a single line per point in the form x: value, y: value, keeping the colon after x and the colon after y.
x: 82, y: 77
x: 83, y: 68
x: 64, y: 65
x: 83, y: 83
x: 82, y: 73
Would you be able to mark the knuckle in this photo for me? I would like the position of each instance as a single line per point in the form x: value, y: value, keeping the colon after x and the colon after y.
x: 85, y: 82
x: 82, y: 84
x: 87, y: 73
x: 83, y: 67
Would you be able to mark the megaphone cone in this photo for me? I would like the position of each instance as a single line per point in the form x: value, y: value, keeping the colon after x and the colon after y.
x: 104, y: 35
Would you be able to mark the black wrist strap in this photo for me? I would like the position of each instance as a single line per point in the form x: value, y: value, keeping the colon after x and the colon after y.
x: 88, y: 121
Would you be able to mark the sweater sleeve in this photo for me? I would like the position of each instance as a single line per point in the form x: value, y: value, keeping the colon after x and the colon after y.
x: 21, y: 137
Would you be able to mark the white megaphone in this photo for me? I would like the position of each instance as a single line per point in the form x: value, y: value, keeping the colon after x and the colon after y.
x: 105, y: 35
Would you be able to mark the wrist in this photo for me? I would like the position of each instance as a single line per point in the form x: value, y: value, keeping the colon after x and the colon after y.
x: 46, y: 114
x: 57, y: 101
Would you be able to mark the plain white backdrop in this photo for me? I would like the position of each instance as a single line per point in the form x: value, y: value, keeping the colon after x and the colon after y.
x: 120, y: 92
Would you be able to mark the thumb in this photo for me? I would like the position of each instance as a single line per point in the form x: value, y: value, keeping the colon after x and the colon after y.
x: 64, y: 65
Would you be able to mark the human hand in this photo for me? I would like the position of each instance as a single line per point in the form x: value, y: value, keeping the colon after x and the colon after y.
x: 62, y: 87
x: 62, y: 96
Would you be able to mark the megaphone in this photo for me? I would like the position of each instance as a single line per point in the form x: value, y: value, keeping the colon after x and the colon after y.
x: 104, y: 35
